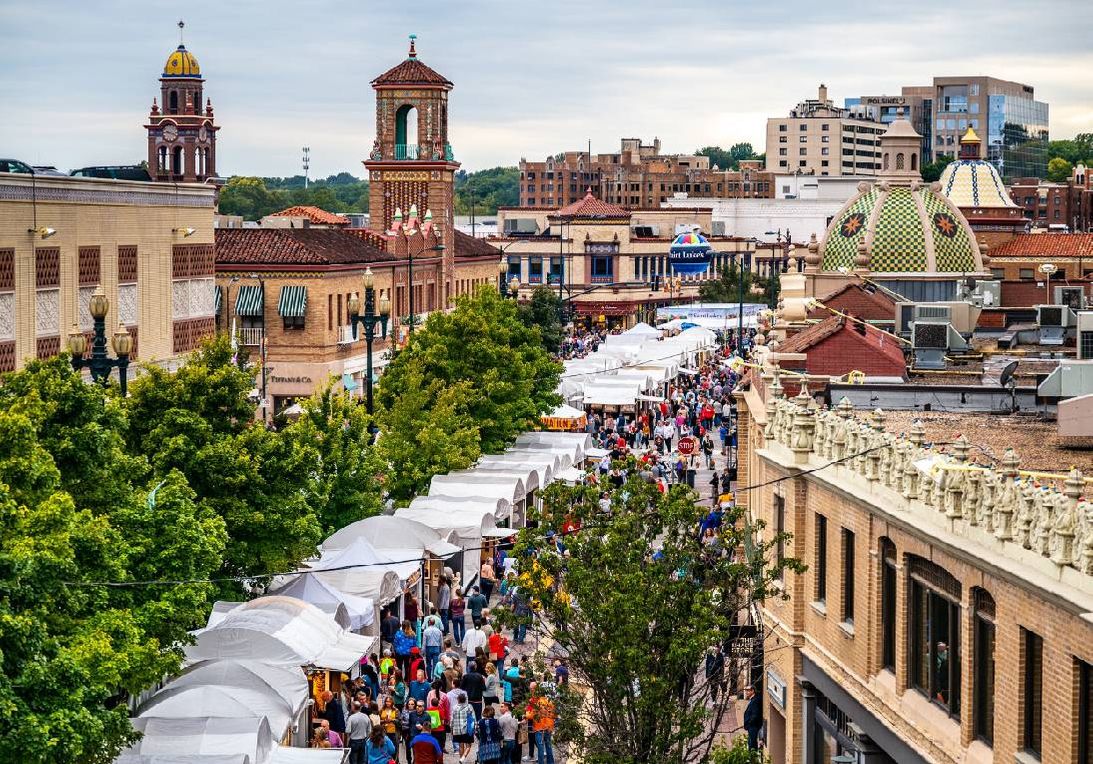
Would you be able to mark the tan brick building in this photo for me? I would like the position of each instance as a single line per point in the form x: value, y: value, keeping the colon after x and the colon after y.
x: 945, y: 613
x: 149, y: 245
x: 638, y: 175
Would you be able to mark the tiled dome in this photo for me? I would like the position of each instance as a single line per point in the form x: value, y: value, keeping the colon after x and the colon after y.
x: 181, y: 63
x: 974, y: 183
x: 905, y: 229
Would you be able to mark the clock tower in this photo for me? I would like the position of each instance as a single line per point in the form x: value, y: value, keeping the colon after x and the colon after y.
x: 411, y: 162
x: 181, y: 133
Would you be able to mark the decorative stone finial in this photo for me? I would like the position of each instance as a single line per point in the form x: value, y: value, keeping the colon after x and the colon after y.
x: 961, y: 446
x: 917, y: 435
x: 155, y: 106
x: 776, y: 389
x: 1010, y: 463
x: 878, y: 419
x: 983, y: 248
x: 398, y: 215
x: 862, y: 259
x: 1074, y: 484
x: 803, y: 396
x: 413, y: 212
x: 863, y: 186
x: 413, y: 47
x: 845, y: 409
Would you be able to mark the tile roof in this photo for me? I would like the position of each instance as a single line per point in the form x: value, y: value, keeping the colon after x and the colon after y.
x: 375, y: 238
x: 805, y: 339
x: 469, y: 246
x: 314, y: 214
x: 294, y: 246
x: 411, y: 72
x: 862, y: 347
x: 591, y: 207
x: 855, y: 299
x: 1045, y: 245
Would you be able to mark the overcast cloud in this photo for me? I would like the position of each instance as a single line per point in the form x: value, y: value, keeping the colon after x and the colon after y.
x: 531, y: 78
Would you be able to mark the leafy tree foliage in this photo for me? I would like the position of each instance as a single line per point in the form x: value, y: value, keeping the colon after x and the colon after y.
x: 254, y: 198
x: 543, y: 312
x: 932, y: 170
x: 199, y: 422
x: 484, y: 344
x: 69, y: 652
x: 488, y: 189
x: 636, y: 604
x: 1074, y: 150
x: 343, y: 487
x: 728, y: 160
x: 726, y: 287
x: 1058, y: 170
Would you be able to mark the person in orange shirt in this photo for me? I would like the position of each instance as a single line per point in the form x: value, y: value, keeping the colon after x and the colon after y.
x: 541, y: 714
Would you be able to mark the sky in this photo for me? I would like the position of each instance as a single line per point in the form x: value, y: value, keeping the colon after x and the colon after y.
x: 531, y: 78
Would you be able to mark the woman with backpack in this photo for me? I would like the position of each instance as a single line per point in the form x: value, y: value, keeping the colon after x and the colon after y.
x: 464, y: 725
x: 489, y: 738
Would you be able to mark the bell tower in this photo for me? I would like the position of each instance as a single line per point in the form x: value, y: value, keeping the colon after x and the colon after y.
x: 181, y: 133
x: 411, y: 161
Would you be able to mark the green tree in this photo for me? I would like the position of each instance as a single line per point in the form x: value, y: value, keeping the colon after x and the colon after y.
x: 932, y: 171
x: 483, y: 343
x: 635, y: 604
x: 427, y: 430
x: 728, y: 160
x: 488, y: 189
x: 198, y: 421
x: 250, y: 198
x: 738, y: 753
x: 1058, y: 170
x: 726, y: 287
x: 344, y: 486
x: 543, y: 312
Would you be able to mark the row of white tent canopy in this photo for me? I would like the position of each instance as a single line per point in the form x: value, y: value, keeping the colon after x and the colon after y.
x: 633, y: 366
x: 244, y: 689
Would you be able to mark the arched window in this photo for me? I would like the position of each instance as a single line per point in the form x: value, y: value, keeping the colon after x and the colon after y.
x: 935, y: 633
x: 406, y: 132
x: 886, y: 160
x: 176, y: 163
x: 172, y: 104
x: 899, y: 161
x: 914, y: 161
x: 888, y: 603
x: 983, y: 665
x: 197, y: 102
x: 162, y: 165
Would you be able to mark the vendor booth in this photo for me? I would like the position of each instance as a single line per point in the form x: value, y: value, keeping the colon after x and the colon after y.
x: 565, y: 418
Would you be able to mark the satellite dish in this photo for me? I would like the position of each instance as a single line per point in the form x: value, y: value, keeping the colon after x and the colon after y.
x: 1007, y: 374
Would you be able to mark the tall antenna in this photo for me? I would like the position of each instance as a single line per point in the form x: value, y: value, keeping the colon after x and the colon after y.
x: 307, y: 164
x: 181, y: 27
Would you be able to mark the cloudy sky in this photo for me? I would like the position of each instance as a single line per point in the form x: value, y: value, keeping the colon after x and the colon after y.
x: 531, y: 78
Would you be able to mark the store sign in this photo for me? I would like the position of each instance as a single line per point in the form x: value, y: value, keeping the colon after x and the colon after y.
x: 776, y: 688
x: 743, y: 647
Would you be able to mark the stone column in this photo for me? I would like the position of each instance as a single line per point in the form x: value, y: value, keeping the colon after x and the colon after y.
x: 808, y: 721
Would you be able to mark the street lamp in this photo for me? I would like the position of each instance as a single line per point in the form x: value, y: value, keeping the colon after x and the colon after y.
x: 502, y: 270
x: 410, y: 279
x: 99, y: 363
x: 369, y: 320
x: 1047, y: 269
x: 514, y: 288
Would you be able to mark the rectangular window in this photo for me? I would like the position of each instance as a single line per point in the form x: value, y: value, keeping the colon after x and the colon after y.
x: 888, y: 605
x: 935, y: 642
x: 602, y: 270
x: 556, y: 269
x: 804, y: 139
x: 984, y: 667
x: 535, y: 270
x: 514, y: 268
x: 782, y: 152
x: 824, y: 163
x: 825, y: 139
x: 998, y: 273
x: 783, y: 139
x: 1085, y: 711
x: 779, y: 529
x: 821, y: 558
x: 825, y: 151
x: 825, y: 127
x: 848, y: 576
x: 1033, y: 654
x: 802, y: 127
x: 1026, y: 273
x: 782, y: 127
x: 803, y: 152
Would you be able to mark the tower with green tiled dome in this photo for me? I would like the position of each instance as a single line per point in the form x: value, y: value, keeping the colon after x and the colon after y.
x: 899, y: 228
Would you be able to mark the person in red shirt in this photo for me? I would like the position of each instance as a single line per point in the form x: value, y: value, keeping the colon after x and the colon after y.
x: 498, y: 646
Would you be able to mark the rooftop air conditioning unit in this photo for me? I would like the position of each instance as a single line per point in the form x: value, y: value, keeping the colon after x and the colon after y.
x: 990, y: 292
x: 933, y: 312
x: 1072, y: 297
x: 930, y: 341
x: 1053, y: 321
x: 905, y: 314
x: 1085, y: 335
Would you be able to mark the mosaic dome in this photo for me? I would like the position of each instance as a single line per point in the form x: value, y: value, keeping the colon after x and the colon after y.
x: 181, y: 63
x: 974, y: 183
x: 905, y: 229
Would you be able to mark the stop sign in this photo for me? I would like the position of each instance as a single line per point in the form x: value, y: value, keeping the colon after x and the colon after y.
x: 686, y: 446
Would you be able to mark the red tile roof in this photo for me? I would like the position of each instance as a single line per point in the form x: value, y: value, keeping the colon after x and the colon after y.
x: 469, y: 246
x: 411, y: 72
x: 294, y: 246
x: 813, y: 335
x: 591, y: 207
x: 375, y: 238
x: 1045, y: 245
x: 314, y: 214
x: 836, y: 346
x: 858, y: 301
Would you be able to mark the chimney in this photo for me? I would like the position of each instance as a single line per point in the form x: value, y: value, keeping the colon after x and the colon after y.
x: 822, y: 97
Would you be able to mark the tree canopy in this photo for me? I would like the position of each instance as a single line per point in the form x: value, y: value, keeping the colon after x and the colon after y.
x: 931, y: 171
x: 726, y: 287
x: 1074, y: 150
x: 635, y: 603
x: 488, y: 189
x: 543, y: 311
x: 481, y: 343
x: 254, y: 198
x: 729, y: 160
x: 1059, y: 170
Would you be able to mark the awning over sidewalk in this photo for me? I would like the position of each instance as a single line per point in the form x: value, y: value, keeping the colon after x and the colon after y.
x: 293, y: 301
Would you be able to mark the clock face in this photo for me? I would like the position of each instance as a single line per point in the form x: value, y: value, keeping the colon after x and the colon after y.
x: 202, y: 134
x: 170, y: 132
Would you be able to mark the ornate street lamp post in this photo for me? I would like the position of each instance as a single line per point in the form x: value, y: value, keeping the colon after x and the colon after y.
x: 99, y: 363
x: 514, y: 288
x: 369, y: 320
x: 502, y: 270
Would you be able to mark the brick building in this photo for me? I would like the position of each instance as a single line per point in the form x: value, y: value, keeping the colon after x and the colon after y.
x: 637, y: 176
x: 860, y: 300
x: 149, y: 246
x: 836, y: 346
x: 942, y: 617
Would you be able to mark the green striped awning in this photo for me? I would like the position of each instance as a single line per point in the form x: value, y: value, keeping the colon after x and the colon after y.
x: 250, y: 301
x: 218, y: 299
x: 293, y: 302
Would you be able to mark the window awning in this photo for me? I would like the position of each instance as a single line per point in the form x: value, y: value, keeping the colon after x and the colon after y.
x: 293, y: 302
x: 218, y: 299
x: 250, y: 301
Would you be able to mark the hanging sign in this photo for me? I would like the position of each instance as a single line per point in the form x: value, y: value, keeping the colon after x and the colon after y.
x: 689, y: 254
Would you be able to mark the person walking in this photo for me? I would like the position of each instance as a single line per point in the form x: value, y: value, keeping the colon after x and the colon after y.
x: 389, y: 718
x: 492, y: 693
x: 489, y: 579
x: 439, y: 711
x: 389, y: 626
x: 473, y: 685
x: 444, y: 602
x: 510, y: 727
x: 425, y: 748
x: 472, y: 640
x: 358, y: 729
x: 405, y: 640
x: 378, y: 748
x: 464, y: 723
x: 477, y: 603
x: 489, y: 738
x: 455, y: 611
x: 432, y: 638
x: 542, y: 724
x: 753, y: 718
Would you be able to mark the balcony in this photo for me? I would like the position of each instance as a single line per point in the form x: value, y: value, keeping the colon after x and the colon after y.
x: 405, y: 151
x: 345, y: 335
x: 251, y: 336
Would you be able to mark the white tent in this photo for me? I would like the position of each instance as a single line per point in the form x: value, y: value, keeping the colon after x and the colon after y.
x: 210, y: 700
x: 222, y: 739
x: 535, y: 475
x: 380, y: 587
x: 560, y: 456
x: 360, y: 555
x: 393, y: 534
x: 287, y: 681
x: 280, y: 630
x: 470, y: 483
x: 284, y: 754
x: 335, y: 610
x: 611, y: 395
x: 310, y: 588
x: 183, y: 758
x: 643, y: 329
x: 467, y: 517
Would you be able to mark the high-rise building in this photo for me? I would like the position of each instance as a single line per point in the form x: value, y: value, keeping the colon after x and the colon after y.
x: 820, y: 138
x: 181, y: 134
x: 636, y: 176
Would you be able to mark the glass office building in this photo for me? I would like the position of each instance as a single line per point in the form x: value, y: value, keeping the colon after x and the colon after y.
x: 1017, y: 136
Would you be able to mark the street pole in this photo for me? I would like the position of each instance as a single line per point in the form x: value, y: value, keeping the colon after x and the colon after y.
x: 369, y: 320
x: 99, y: 364
x: 740, y: 307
